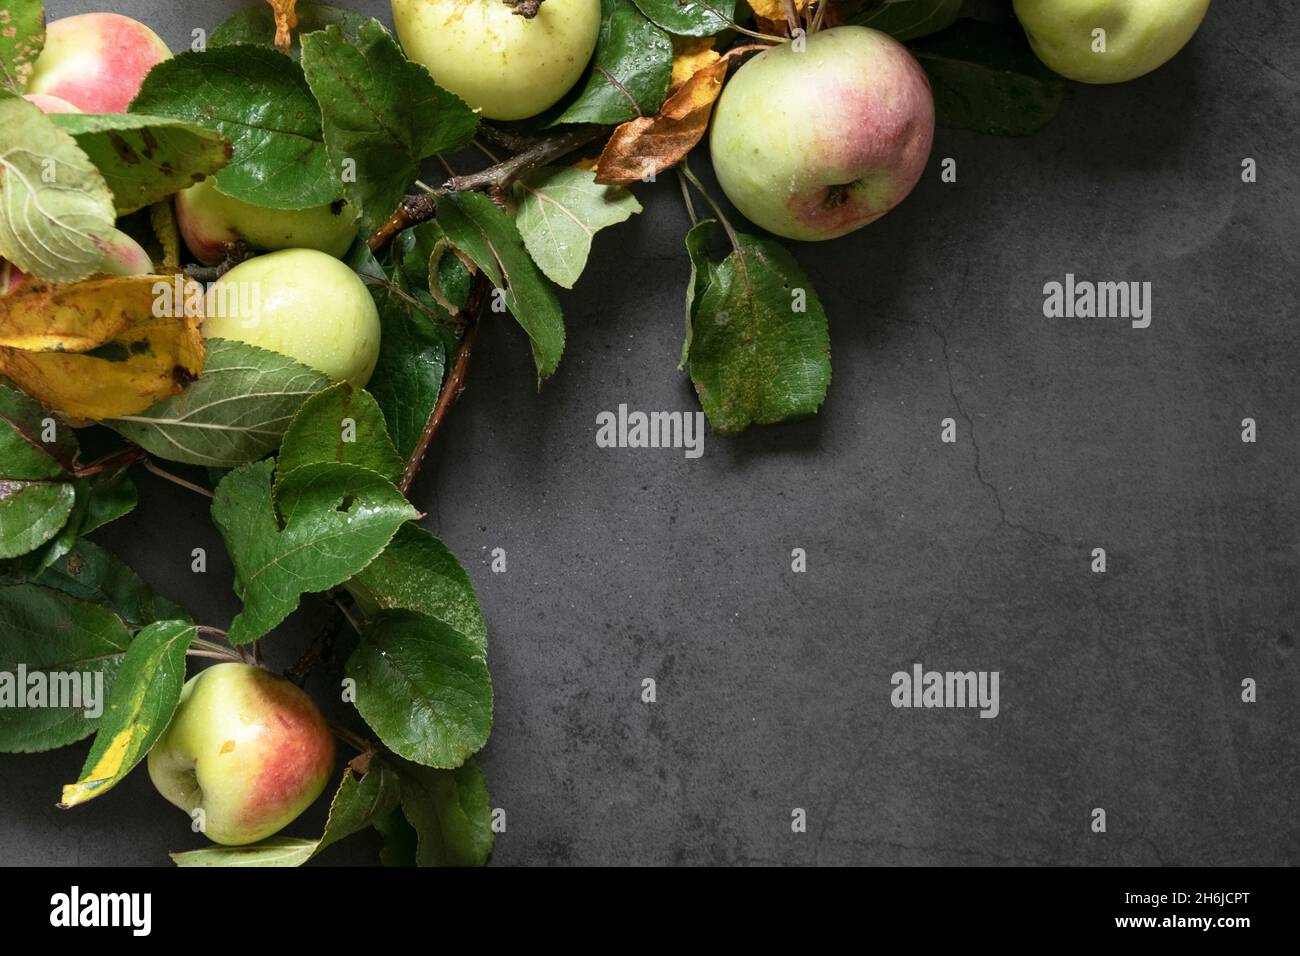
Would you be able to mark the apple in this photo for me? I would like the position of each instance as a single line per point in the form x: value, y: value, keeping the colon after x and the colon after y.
x: 123, y: 256
x: 209, y: 220
x: 247, y: 748
x: 50, y: 104
x: 96, y: 61
x: 508, y: 66
x: 301, y: 303
x: 11, y: 277
x: 814, y: 144
x: 1140, y: 35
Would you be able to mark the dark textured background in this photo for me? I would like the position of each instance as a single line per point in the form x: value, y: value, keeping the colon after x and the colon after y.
x: 1118, y: 690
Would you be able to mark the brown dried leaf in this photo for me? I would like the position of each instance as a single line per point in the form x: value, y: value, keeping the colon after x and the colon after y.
x: 286, y: 19
x: 95, y: 350
x: 646, y: 146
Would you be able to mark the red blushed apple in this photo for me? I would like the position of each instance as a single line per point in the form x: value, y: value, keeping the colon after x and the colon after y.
x: 96, y: 61
x: 247, y: 748
x: 813, y: 144
x: 50, y: 104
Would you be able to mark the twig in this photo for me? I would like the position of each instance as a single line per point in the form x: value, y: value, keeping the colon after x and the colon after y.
x: 420, y: 207
x: 453, y: 385
x: 318, y: 650
x: 511, y: 141
x: 406, y: 297
x: 150, y: 467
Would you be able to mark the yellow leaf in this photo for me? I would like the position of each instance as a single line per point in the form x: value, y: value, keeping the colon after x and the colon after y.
x: 105, y: 769
x: 96, y: 349
x: 775, y: 9
x: 690, y: 55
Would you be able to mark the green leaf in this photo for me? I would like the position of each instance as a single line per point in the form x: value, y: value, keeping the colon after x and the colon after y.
x: 383, y: 112
x: 47, y: 631
x: 31, y: 513
x: 21, y: 41
x: 451, y: 813
x: 337, y: 518
x: 416, y: 572
x: 689, y: 17
x: 98, y: 500
x: 259, y: 100
x: 400, y: 839
x: 562, y: 209
x: 753, y: 356
x: 412, y: 352
x: 234, y: 413
x: 476, y: 227
x: 416, y: 249
x: 145, y: 694
x: 56, y: 211
x: 340, y: 424
x: 358, y: 803
x: 24, y: 454
x: 145, y: 159
x: 703, y: 270
x: 986, y: 78
x: 423, y: 687
x: 275, y: 851
x: 908, y: 19
x: 630, y: 72
x: 257, y: 25
x: 90, y: 573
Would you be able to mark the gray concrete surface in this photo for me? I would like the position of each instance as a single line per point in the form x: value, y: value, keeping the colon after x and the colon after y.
x: 1118, y: 690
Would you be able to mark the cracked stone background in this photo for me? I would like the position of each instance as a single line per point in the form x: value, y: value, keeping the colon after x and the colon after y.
x: 1118, y: 690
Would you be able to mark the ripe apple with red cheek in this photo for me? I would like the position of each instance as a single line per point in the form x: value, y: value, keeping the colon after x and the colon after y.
x: 247, y: 748
x: 96, y: 61
x: 815, y: 143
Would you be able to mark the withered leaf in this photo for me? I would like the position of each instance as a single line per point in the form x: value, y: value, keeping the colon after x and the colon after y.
x: 101, y: 348
x: 648, y: 145
x: 286, y: 19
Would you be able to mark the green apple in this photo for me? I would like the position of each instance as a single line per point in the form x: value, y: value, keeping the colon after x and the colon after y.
x: 301, y: 303
x: 247, y: 748
x: 96, y: 61
x: 508, y: 66
x: 209, y: 220
x: 1140, y: 35
x: 813, y: 144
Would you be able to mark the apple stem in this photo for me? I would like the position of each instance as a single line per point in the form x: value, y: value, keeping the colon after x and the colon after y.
x: 236, y: 252
x: 717, y: 210
x: 357, y: 742
x: 686, y: 197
